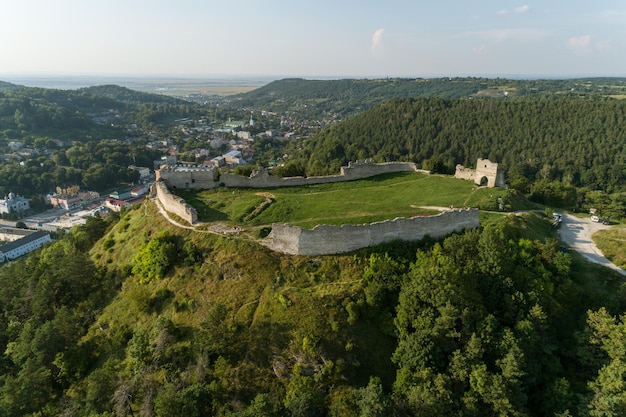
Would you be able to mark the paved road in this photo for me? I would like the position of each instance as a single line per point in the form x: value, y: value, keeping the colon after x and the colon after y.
x: 577, y: 232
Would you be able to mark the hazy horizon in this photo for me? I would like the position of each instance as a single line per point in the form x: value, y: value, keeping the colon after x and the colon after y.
x: 151, y: 81
x: 324, y: 39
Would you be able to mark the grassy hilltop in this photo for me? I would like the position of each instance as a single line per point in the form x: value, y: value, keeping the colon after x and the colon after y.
x: 379, y: 198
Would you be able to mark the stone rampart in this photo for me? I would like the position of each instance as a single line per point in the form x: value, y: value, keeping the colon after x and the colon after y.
x: 188, y: 176
x: 484, y: 169
x: 328, y: 240
x: 354, y: 171
x: 173, y: 203
x: 206, y: 178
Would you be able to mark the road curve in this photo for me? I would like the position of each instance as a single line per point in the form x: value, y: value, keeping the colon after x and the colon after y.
x: 577, y: 232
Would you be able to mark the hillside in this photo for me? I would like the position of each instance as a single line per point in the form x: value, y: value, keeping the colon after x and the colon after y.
x: 576, y: 141
x: 81, y: 114
x: 346, y: 97
x: 155, y: 320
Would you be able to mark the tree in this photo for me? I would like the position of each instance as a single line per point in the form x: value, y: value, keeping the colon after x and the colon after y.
x: 155, y: 258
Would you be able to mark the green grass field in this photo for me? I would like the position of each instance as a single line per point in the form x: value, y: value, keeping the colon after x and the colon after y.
x: 355, y: 202
x: 612, y: 243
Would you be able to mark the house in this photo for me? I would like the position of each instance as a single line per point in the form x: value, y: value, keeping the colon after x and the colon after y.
x: 120, y: 195
x: 218, y: 161
x: 115, y: 204
x: 234, y: 157
x: 14, y: 203
x: 138, y: 191
x: 73, y: 201
x: 13, y: 250
x: 144, y: 172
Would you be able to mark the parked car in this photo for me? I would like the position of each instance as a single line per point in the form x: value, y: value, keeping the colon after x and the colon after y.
x: 595, y: 219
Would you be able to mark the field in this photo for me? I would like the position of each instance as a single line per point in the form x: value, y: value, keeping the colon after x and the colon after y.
x: 612, y: 244
x: 364, y: 201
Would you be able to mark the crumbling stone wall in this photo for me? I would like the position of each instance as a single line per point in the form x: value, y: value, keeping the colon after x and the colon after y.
x: 188, y: 176
x: 199, y: 179
x: 484, y: 169
x: 173, y: 203
x: 329, y: 240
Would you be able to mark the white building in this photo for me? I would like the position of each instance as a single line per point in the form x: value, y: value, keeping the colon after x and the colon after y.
x: 14, y: 204
x: 17, y: 248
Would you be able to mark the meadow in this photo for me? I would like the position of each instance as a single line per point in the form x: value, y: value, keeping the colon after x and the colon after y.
x: 356, y: 202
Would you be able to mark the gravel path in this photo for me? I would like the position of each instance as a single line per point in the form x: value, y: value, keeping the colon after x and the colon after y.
x: 577, y: 232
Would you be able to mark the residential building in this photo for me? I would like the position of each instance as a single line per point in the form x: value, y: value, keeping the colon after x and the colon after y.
x: 115, y: 204
x: 73, y: 201
x: 234, y: 157
x: 14, y: 203
x: 120, y: 194
x: 13, y: 250
x: 144, y: 172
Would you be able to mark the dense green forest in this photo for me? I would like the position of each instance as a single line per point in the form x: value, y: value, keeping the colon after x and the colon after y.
x: 156, y: 321
x: 579, y: 142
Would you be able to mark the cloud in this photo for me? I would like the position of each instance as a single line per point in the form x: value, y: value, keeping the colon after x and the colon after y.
x: 377, y: 40
x: 522, y: 9
x: 580, y: 44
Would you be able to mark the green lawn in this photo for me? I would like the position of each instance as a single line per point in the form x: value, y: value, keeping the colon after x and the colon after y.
x: 612, y: 243
x: 363, y: 201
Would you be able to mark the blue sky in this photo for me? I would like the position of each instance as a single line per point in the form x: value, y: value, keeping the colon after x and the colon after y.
x: 319, y: 38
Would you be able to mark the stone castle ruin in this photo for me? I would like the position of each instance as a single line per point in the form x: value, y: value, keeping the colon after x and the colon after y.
x: 486, y: 173
x: 206, y: 177
x: 325, y: 239
x: 330, y: 240
x: 173, y: 203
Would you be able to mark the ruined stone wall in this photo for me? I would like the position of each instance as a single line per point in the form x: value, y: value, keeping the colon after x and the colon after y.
x: 484, y: 169
x: 207, y: 178
x: 328, y: 240
x: 465, y: 173
x: 173, y: 203
x: 189, y: 177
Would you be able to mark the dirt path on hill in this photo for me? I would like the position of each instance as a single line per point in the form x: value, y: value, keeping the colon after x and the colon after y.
x: 577, y: 232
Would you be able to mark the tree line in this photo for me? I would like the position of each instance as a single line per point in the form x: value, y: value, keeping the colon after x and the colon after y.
x: 578, y: 142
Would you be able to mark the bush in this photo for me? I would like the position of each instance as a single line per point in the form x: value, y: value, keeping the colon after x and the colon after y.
x: 155, y: 258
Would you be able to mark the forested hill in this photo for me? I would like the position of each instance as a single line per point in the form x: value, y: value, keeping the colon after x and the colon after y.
x: 126, y: 95
x: 578, y: 141
x: 78, y: 114
x: 350, y: 96
x: 137, y: 317
x: 7, y: 86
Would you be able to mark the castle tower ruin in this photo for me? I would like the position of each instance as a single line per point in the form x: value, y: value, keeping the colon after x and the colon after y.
x: 485, y: 169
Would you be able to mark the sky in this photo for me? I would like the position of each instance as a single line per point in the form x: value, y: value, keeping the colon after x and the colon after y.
x: 322, y: 38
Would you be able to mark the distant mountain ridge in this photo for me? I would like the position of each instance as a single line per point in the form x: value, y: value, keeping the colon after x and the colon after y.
x: 350, y: 96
